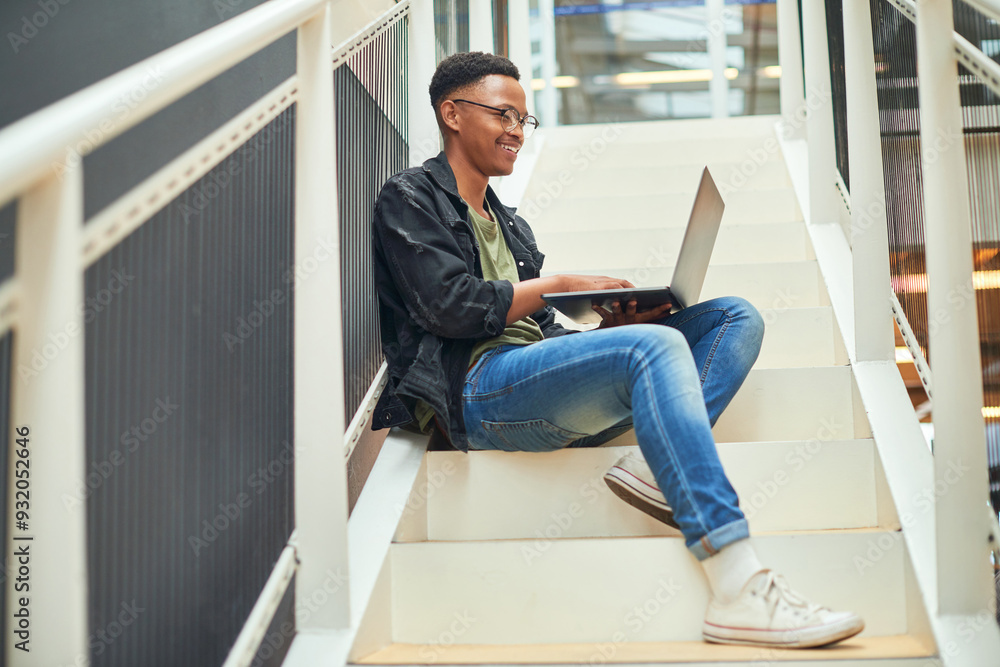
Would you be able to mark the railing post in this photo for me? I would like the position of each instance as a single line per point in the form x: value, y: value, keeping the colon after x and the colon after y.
x: 423, y: 132
x: 790, y: 58
x: 819, y: 121
x: 47, y: 559
x: 549, y: 111
x: 959, y: 438
x: 873, y: 335
x: 715, y: 44
x: 320, y: 468
x: 519, y: 30
x: 481, y: 26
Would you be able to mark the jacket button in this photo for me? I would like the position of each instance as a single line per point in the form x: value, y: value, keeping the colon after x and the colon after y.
x: 387, y: 417
x: 510, y: 223
x: 520, y: 263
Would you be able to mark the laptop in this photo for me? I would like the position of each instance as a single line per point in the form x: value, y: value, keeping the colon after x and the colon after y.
x: 689, y: 272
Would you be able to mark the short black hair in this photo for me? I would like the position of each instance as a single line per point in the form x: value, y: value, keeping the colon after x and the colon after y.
x: 461, y: 69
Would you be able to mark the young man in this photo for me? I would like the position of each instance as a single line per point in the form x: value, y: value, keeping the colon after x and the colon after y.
x: 475, y: 353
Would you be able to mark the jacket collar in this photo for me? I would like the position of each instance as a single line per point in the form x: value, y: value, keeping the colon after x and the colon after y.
x: 440, y: 170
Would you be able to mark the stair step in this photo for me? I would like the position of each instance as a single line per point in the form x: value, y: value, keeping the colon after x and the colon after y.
x: 787, y: 404
x: 890, y: 651
x: 546, y: 213
x: 736, y: 244
x: 610, y: 152
x: 582, y: 177
x: 785, y: 485
x: 793, y: 337
x: 649, y: 589
x: 708, y: 130
x: 806, y: 404
x: 778, y: 285
x: 800, y: 337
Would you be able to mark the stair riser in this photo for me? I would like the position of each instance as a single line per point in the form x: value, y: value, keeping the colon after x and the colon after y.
x: 557, y: 211
x: 585, y: 178
x: 613, y: 151
x: 738, y: 244
x: 777, y: 286
x: 562, y: 494
x: 798, y: 337
x: 787, y: 404
x: 588, y: 590
x: 749, y: 129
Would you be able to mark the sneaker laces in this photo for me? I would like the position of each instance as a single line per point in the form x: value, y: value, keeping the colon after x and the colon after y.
x: 776, y: 588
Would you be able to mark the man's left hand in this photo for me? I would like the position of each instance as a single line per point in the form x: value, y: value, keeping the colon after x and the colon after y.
x: 617, y: 317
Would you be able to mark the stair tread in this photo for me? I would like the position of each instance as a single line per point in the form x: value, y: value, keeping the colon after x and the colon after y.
x: 873, y: 648
x: 674, y: 534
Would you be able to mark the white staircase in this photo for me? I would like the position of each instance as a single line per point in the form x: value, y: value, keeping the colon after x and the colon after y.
x: 528, y: 558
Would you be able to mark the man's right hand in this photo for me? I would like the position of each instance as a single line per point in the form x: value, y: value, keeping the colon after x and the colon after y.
x: 578, y: 283
x: 528, y: 293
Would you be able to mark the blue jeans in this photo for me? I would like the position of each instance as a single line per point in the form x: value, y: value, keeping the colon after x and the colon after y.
x: 670, y: 380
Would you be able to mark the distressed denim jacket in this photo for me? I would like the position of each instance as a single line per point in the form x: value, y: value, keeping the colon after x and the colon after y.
x: 433, y: 301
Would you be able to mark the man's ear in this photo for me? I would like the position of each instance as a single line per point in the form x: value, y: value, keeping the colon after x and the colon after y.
x: 449, y: 115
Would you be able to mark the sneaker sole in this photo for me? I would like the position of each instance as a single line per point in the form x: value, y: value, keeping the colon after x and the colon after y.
x: 620, y: 482
x: 803, y: 638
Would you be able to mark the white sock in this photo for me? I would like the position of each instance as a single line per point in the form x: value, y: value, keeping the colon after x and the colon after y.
x: 729, y: 570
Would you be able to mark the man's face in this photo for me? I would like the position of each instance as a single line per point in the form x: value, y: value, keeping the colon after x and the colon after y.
x: 479, y: 132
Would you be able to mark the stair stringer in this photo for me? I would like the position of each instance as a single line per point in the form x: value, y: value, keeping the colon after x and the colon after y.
x: 906, y: 460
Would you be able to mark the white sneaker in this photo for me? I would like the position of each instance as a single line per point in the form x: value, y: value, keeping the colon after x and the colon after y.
x: 769, y: 613
x: 631, y: 480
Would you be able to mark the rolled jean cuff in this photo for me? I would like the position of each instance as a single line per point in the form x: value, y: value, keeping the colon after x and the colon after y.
x: 712, y: 543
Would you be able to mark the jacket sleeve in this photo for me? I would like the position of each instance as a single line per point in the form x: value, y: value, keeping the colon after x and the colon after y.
x: 430, y: 269
x: 546, y: 316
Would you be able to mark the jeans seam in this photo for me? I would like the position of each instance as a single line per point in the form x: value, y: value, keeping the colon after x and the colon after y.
x: 715, y: 345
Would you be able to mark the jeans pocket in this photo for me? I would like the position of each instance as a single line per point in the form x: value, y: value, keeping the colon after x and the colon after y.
x: 532, y: 435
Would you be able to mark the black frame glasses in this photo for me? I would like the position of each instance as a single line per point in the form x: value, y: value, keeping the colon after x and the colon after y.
x: 510, y: 118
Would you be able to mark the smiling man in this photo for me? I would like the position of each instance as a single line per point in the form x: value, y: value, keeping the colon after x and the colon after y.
x: 475, y: 356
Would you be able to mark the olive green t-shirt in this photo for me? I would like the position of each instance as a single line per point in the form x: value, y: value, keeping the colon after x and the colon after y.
x: 497, y: 264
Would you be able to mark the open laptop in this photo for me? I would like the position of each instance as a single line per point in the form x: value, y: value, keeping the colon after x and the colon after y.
x: 689, y: 272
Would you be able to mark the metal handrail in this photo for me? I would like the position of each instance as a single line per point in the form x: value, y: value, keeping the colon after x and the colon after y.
x: 989, y: 7
x: 31, y: 146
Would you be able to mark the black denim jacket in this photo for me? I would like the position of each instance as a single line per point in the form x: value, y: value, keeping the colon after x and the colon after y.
x: 434, y: 304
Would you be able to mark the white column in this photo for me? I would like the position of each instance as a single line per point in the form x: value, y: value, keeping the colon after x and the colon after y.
x: 320, y: 468
x: 519, y: 32
x: 790, y: 59
x: 550, y: 101
x: 873, y: 335
x: 423, y: 133
x: 48, y: 400
x: 959, y: 440
x: 819, y: 123
x: 718, y: 87
x: 481, y: 26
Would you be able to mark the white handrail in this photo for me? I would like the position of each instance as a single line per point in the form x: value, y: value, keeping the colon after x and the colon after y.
x: 989, y: 7
x: 61, y: 133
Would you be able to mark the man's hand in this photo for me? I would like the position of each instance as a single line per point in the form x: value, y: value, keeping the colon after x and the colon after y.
x: 578, y: 283
x: 528, y: 293
x: 616, y: 317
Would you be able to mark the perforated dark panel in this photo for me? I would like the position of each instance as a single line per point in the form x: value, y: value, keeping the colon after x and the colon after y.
x: 8, y: 217
x: 835, y: 31
x: 370, y: 96
x: 189, y: 413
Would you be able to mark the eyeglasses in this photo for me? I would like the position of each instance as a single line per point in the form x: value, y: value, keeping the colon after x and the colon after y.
x: 510, y: 118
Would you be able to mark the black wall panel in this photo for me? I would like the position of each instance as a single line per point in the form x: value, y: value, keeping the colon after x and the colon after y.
x: 78, y: 43
x: 189, y: 412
